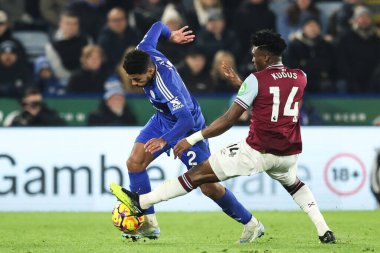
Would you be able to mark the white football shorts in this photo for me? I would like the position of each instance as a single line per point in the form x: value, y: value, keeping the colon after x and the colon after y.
x: 240, y: 159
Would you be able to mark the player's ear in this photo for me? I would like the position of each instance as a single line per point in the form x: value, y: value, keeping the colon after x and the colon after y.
x: 151, y: 70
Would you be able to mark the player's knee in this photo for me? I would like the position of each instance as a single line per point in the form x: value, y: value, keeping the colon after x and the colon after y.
x: 135, y: 165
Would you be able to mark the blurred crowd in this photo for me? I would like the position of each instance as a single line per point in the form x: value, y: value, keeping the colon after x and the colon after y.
x: 64, y: 47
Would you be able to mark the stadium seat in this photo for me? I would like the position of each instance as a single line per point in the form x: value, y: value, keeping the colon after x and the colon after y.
x: 33, y: 41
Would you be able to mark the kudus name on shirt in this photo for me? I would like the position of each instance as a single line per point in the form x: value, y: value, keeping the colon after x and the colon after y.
x: 280, y: 75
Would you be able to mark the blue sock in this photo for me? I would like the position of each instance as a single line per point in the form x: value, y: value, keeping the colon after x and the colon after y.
x: 233, y: 208
x: 140, y: 183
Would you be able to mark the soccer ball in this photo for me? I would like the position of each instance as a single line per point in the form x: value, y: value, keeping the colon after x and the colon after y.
x: 124, y: 220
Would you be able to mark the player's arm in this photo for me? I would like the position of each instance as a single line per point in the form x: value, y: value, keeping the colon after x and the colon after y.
x: 184, y: 123
x: 246, y: 95
x: 177, y: 106
x: 160, y: 29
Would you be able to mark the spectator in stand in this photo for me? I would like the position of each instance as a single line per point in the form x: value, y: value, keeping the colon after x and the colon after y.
x: 112, y: 110
x: 15, y: 75
x: 32, y: 18
x: 358, y: 53
x: 51, y: 11
x: 311, y: 52
x: 339, y: 22
x: 14, y: 9
x: 90, y: 77
x: 64, y: 51
x: 45, y: 80
x: 173, y: 51
x: 198, y: 16
x: 218, y: 79
x: 147, y: 12
x: 215, y: 37
x: 193, y: 71
x: 117, y: 36
x: 252, y: 16
x: 297, y: 12
x: 126, y: 5
x: 34, y: 112
x: 6, y: 34
x: 375, y: 79
x: 92, y: 16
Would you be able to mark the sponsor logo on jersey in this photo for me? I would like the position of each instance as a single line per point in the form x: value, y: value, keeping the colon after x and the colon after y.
x: 176, y: 103
x: 152, y: 94
x: 243, y: 89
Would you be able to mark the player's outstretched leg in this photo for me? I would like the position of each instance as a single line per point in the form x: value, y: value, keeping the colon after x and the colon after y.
x: 182, y: 185
x: 139, y: 182
x: 306, y: 201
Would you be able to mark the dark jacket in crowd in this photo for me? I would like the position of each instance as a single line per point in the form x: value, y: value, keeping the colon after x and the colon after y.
x: 14, y: 79
x: 114, y: 45
x: 316, y: 58
x: 85, y: 81
x: 250, y: 18
x: 91, y: 18
x: 173, y: 51
x: 69, y: 51
x: 46, y: 117
x: 103, y: 116
x: 357, y: 60
x: 207, y: 41
x: 195, y: 82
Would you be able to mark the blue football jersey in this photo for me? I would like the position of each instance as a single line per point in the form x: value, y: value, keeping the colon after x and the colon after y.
x: 166, y: 91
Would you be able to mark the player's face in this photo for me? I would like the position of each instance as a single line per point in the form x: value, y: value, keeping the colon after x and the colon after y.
x: 258, y: 59
x: 140, y: 80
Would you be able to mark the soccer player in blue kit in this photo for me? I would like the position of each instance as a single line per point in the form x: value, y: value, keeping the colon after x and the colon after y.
x: 178, y: 115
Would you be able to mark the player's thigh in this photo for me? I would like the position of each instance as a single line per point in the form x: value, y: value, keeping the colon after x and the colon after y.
x: 197, y: 154
x: 238, y: 159
x: 285, y: 170
x: 138, y: 160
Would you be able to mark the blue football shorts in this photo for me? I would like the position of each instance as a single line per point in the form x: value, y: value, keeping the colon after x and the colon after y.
x: 155, y: 129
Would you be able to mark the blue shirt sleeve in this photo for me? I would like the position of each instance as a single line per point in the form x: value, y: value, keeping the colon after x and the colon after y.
x: 185, y: 122
x: 151, y: 37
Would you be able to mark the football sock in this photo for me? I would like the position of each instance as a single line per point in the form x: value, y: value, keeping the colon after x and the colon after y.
x: 233, y: 208
x: 305, y: 199
x: 167, y: 190
x: 139, y: 182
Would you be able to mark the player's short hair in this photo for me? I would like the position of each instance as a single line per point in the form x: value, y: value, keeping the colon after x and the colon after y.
x: 136, y: 62
x: 269, y: 41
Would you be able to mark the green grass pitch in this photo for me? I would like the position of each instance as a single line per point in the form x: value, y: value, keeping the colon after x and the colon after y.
x: 195, y: 232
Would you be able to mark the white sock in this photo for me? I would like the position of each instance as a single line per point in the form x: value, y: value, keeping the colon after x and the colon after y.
x: 305, y: 199
x: 165, y: 191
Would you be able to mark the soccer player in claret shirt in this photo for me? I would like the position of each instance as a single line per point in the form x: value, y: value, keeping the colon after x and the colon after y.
x: 273, y: 142
x: 178, y: 115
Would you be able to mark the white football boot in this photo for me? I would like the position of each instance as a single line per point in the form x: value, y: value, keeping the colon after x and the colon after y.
x: 252, y: 230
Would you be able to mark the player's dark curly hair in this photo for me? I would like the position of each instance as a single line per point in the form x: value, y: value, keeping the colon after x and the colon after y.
x: 136, y: 62
x: 269, y: 41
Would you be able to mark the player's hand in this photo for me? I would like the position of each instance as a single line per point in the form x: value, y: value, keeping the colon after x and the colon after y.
x: 181, y: 147
x: 181, y: 36
x: 154, y: 145
x: 231, y: 75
